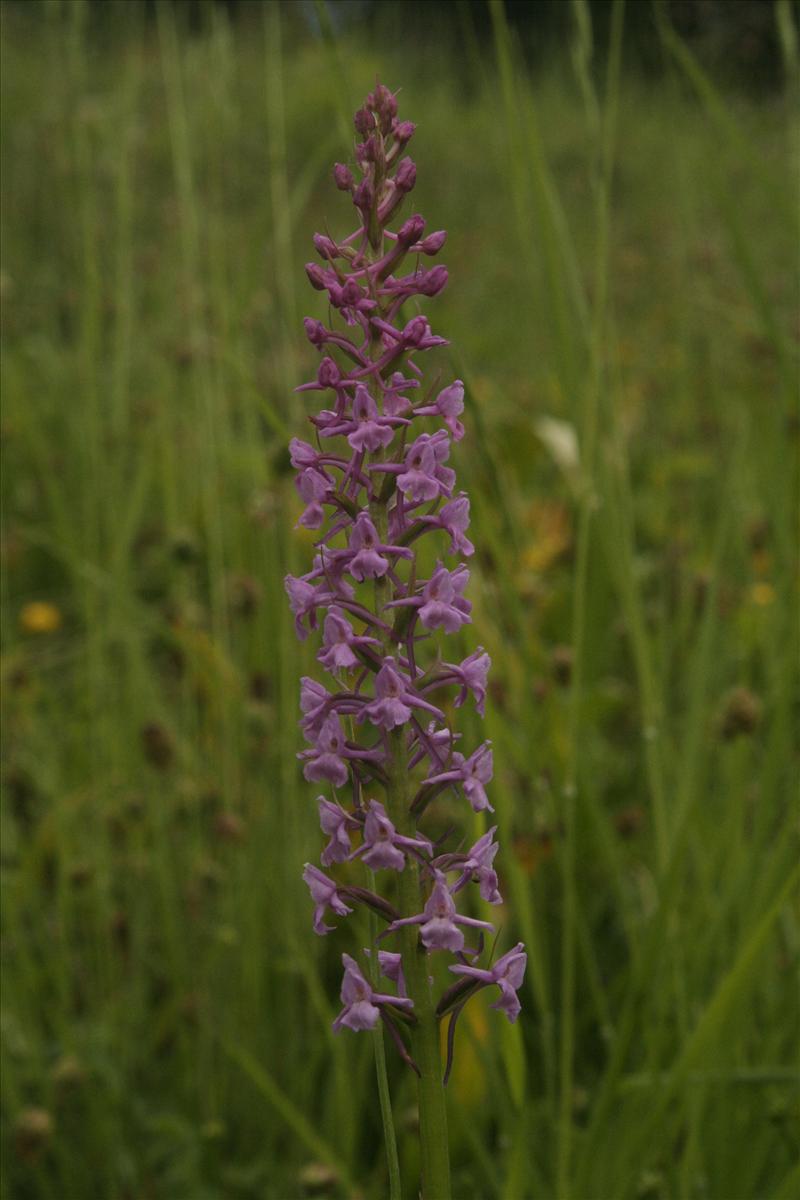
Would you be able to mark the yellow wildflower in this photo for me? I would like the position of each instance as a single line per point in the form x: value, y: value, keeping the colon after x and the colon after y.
x: 39, y: 616
x: 762, y: 594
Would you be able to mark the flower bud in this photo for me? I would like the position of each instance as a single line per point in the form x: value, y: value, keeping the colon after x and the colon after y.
x: 432, y: 282
x: 368, y: 151
x: 350, y: 294
x: 364, y: 121
x: 364, y: 195
x: 316, y: 276
x: 325, y: 247
x: 433, y: 243
x: 315, y: 331
x: 328, y: 374
x: 302, y: 454
x: 384, y: 104
x: 416, y: 329
x: 343, y: 177
x: 410, y: 230
x: 404, y: 131
x: 406, y: 175
x: 335, y: 294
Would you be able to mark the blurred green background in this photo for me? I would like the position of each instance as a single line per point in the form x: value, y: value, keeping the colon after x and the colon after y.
x: 620, y: 191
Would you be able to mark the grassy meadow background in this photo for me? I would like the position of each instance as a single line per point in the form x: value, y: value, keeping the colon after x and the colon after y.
x: 623, y: 309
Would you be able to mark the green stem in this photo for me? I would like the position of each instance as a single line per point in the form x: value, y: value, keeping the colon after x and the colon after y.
x: 425, y: 1047
x: 425, y: 1034
x: 392, y: 1161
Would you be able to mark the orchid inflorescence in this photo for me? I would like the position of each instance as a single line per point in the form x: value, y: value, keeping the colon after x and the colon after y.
x: 375, y: 482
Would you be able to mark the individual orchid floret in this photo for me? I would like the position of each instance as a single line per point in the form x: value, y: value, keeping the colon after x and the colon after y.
x: 343, y: 177
x: 364, y: 196
x: 477, y: 868
x: 394, y: 699
x: 436, y: 744
x: 453, y: 518
x: 395, y: 404
x: 302, y: 454
x: 366, y: 555
x: 389, y: 708
x: 441, y: 449
x: 433, y: 243
x: 314, y: 704
x: 339, y: 643
x: 391, y: 965
x: 417, y: 335
x: 326, y: 760
x: 508, y: 973
x: 336, y: 825
x: 476, y: 772
x: 418, y: 283
x: 362, y: 1005
x: 313, y: 487
x: 403, y: 131
x: 472, y: 773
x: 423, y: 478
x: 443, y: 603
x: 449, y: 404
x: 384, y: 848
x: 305, y: 598
x: 325, y: 895
x: 318, y: 277
x: 439, y: 920
x: 371, y: 429
x: 329, y: 377
x: 325, y: 246
x: 350, y: 298
x: 472, y: 674
x: 406, y: 175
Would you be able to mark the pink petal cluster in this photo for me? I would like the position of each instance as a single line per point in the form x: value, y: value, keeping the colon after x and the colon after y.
x: 374, y: 480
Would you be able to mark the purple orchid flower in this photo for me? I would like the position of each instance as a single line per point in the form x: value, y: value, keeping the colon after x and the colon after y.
x: 477, y: 867
x: 362, y: 1006
x: 449, y: 405
x: 472, y: 773
x: 391, y: 965
x: 394, y: 699
x: 314, y: 487
x: 453, y: 518
x: 371, y: 429
x: 314, y: 700
x: 384, y: 848
x: 366, y: 556
x: 439, y: 920
x: 336, y: 825
x: 508, y: 973
x: 327, y: 759
x: 325, y: 895
x: 472, y: 673
x: 443, y: 604
x: 424, y: 477
x: 339, y: 642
